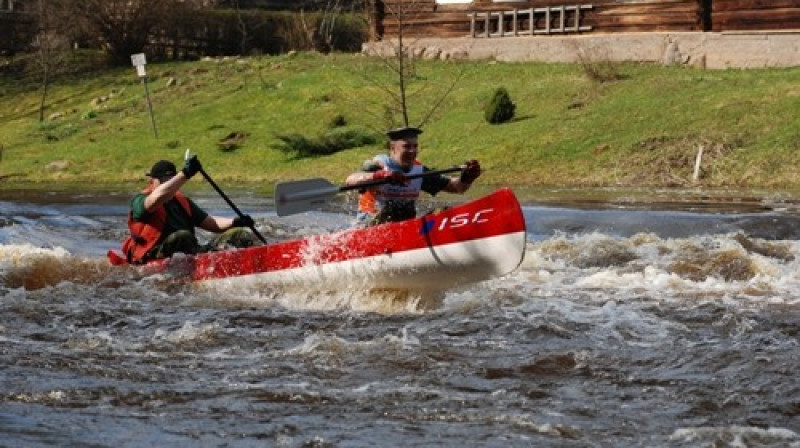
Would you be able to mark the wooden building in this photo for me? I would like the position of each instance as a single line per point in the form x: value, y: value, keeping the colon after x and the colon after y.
x: 755, y: 15
x: 16, y: 31
x: 10, y: 5
x: 498, y: 18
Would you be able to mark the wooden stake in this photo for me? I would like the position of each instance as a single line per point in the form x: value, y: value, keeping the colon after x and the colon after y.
x: 697, y: 162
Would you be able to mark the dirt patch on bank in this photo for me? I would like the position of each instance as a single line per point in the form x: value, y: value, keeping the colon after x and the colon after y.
x: 677, y: 161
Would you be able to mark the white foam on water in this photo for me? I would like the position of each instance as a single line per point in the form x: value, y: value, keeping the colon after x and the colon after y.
x: 739, y: 436
x: 24, y: 254
x: 665, y: 269
x: 189, y: 332
x: 355, y: 297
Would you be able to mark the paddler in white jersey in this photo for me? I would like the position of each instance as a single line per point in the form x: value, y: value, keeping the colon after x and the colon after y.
x: 396, y: 200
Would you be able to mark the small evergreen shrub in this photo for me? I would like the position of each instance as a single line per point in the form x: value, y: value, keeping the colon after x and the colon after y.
x: 325, y: 144
x: 338, y: 121
x: 500, y: 108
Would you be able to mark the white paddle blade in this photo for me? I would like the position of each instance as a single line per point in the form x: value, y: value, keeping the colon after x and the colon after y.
x: 302, y: 195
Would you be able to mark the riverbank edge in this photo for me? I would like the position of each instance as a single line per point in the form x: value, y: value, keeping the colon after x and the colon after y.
x: 653, y: 198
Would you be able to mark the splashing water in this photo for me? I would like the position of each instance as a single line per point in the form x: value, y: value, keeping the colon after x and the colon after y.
x: 669, y: 329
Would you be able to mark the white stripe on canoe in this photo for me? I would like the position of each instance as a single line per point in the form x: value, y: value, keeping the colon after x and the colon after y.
x: 430, y: 268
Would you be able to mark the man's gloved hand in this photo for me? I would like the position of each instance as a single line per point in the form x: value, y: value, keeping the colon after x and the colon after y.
x: 191, y: 167
x: 243, y: 221
x: 471, y: 171
x: 394, y: 177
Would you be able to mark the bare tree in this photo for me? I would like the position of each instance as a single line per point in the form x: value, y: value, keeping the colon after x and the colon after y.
x: 50, y: 45
x: 123, y: 26
x: 403, y: 63
x: 407, y: 91
x: 242, y: 28
x: 331, y: 11
x: 320, y: 32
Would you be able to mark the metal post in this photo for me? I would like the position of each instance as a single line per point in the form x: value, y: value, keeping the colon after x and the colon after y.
x: 149, y: 106
x: 139, y: 61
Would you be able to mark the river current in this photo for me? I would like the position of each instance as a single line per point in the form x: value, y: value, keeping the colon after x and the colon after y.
x: 625, y: 326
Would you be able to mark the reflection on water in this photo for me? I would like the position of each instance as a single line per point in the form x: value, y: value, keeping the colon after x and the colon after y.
x: 693, y: 200
x: 629, y: 324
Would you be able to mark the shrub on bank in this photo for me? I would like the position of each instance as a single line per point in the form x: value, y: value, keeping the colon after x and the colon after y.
x: 331, y: 142
x: 500, y: 108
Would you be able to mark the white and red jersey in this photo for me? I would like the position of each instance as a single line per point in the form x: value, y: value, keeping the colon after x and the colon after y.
x: 399, y: 201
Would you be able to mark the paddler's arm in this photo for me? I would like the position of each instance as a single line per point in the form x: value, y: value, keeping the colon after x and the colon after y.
x: 359, y: 177
x: 166, y: 191
x: 389, y: 177
x: 218, y: 224
x: 456, y: 186
x: 462, y: 183
x: 373, y: 170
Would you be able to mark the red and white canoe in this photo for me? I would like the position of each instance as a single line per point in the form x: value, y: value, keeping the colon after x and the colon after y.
x: 472, y: 242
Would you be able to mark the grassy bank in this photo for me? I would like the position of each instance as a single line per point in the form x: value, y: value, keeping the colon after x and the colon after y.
x: 642, y: 129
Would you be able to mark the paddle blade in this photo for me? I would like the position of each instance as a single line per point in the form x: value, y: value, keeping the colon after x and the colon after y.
x: 303, y: 195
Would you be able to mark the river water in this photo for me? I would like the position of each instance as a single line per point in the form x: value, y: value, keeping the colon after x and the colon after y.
x: 627, y: 325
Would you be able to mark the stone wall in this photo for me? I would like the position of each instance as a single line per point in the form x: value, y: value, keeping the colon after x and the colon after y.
x: 699, y: 49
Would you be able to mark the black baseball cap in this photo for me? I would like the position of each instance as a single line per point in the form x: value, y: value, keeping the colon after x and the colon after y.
x: 162, y: 168
x: 402, y: 133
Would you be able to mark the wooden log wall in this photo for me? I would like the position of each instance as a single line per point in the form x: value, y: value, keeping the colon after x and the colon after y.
x: 750, y: 15
x: 16, y: 31
x: 426, y: 18
x: 429, y: 19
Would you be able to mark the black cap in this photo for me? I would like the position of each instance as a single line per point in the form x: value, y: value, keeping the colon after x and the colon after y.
x: 162, y: 168
x: 401, y: 133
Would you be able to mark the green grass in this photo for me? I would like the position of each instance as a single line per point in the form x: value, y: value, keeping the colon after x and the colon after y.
x: 641, y: 130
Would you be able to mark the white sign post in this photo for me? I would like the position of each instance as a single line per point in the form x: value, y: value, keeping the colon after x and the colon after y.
x: 139, y: 61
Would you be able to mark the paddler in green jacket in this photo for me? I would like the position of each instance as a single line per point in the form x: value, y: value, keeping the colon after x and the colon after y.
x: 162, y: 220
x: 396, y: 200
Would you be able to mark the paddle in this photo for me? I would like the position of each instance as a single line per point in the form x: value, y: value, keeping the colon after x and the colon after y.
x: 303, y: 195
x: 225, y: 197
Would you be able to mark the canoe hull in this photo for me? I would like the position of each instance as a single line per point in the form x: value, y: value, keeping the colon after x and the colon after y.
x: 435, y: 268
x: 472, y: 242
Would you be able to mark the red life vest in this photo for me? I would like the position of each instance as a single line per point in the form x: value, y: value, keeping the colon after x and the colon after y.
x: 146, y: 234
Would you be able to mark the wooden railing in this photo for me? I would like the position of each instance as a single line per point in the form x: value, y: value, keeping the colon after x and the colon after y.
x: 523, y: 22
x: 528, y: 22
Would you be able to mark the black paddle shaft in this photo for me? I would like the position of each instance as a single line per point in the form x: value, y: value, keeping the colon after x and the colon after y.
x: 231, y: 204
x: 371, y: 183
